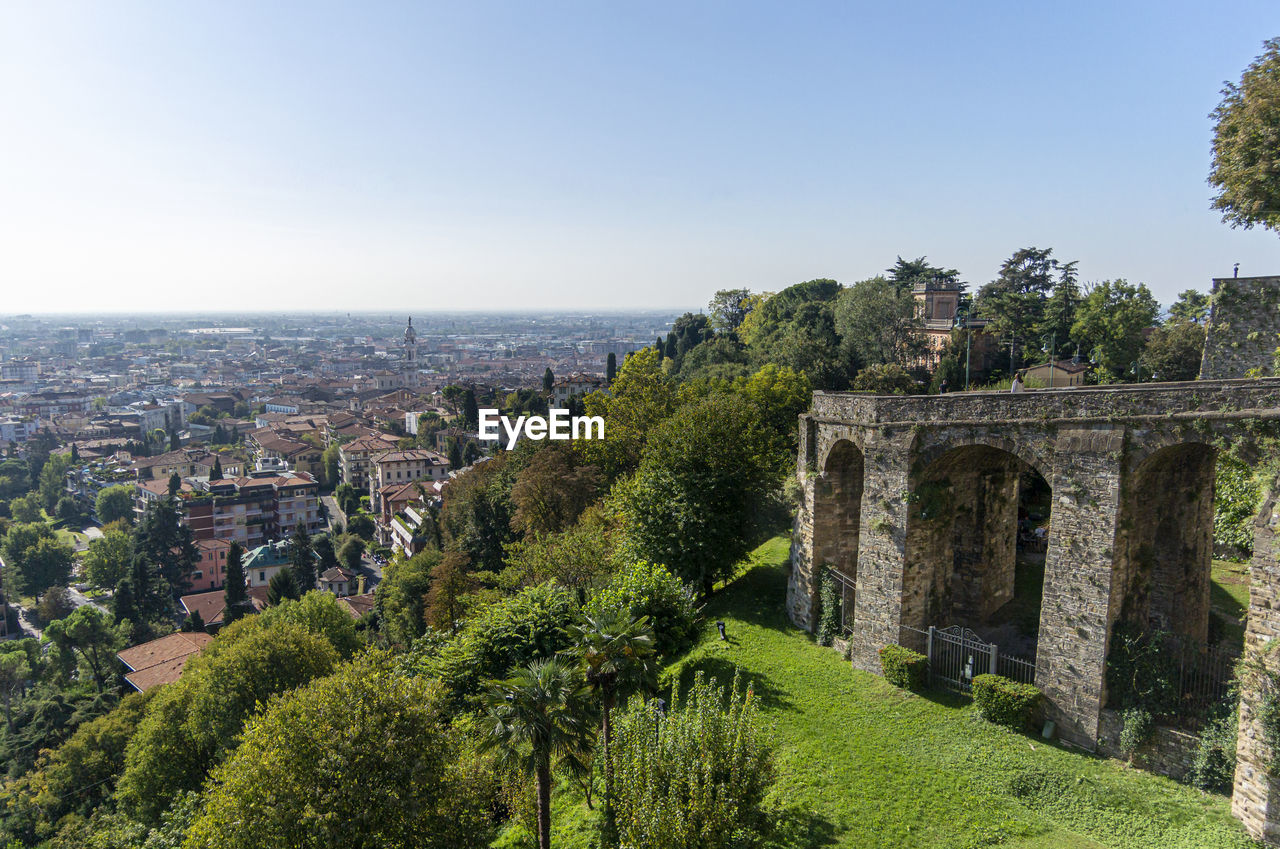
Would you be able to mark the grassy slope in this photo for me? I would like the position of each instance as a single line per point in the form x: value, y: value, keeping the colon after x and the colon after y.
x: 865, y: 765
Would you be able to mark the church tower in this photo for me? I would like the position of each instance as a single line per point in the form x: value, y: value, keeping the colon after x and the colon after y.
x: 409, y: 362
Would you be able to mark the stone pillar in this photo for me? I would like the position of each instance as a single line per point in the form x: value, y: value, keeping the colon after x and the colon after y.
x: 1255, y: 799
x: 881, y: 546
x: 801, y: 583
x: 1076, y: 613
x: 985, y: 501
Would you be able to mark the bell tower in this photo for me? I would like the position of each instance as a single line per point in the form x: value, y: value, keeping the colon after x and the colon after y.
x: 409, y: 362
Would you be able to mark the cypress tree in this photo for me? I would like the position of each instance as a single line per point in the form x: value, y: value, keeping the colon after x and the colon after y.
x: 671, y: 345
x: 660, y: 348
x: 235, y: 596
x: 611, y: 368
x: 215, y: 474
x: 302, y: 558
x: 548, y: 379
x: 470, y: 410
x: 175, y: 485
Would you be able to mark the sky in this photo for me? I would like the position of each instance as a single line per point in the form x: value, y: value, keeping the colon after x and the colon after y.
x: 319, y: 156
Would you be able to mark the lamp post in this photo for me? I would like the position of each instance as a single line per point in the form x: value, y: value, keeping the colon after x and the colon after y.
x: 1135, y: 368
x: 1051, y: 348
x: 962, y: 320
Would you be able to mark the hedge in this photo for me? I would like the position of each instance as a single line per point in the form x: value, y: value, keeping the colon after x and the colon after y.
x: 903, y: 667
x: 1005, y: 701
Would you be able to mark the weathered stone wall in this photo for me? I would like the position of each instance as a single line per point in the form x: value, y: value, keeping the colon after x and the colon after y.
x: 1256, y: 796
x: 1244, y: 327
x: 1169, y: 751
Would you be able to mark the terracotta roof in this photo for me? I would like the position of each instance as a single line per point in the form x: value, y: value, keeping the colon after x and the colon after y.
x: 413, y: 454
x: 357, y: 605
x: 212, y: 604
x: 161, y: 661
x: 337, y: 573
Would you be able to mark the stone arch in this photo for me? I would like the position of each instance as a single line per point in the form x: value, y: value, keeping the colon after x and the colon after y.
x: 838, y: 508
x: 963, y: 537
x: 1032, y: 450
x: 1164, y: 541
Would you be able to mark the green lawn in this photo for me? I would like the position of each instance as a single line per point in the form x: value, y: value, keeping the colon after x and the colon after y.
x: 1229, y: 598
x: 862, y: 764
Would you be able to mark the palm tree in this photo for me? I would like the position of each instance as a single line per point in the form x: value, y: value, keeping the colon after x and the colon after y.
x: 616, y: 653
x: 536, y: 718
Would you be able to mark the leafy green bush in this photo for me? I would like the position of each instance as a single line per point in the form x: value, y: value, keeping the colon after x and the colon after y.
x: 828, y: 624
x: 697, y: 776
x: 1237, y: 494
x: 513, y: 632
x: 1005, y: 701
x: 903, y: 667
x: 648, y: 589
x: 1140, y: 672
x: 1214, y: 765
x: 1136, y: 727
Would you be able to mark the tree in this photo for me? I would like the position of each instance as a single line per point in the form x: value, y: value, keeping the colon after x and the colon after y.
x: 728, y: 309
x: 1015, y: 303
x: 93, y: 635
x: 368, y: 728
x: 26, y: 509
x: 878, y: 323
x: 536, y: 718
x: 175, y: 485
x: 885, y: 379
x: 235, y: 595
x: 548, y: 379
x: 165, y: 555
x: 215, y: 474
x: 1111, y: 321
x: 1174, y: 351
x: 551, y: 492
x: 53, y: 480
x: 114, y: 503
x: 302, y: 558
x: 362, y: 526
x: 326, y: 557
x: 108, y: 558
x: 319, y: 613
x: 449, y: 582
x: 1191, y: 306
x: 698, y: 775
x: 611, y: 368
x: 615, y: 651
x: 908, y: 272
x: 1245, y: 140
x: 283, y: 585
x: 470, y: 410
x: 351, y: 552
x: 347, y: 497
x: 35, y: 558
x: 578, y: 558
x: 699, y: 499
x: 331, y: 463
x: 400, y: 599
x: 193, y: 723
x: 68, y: 510
x: 14, y: 672
x: 638, y: 401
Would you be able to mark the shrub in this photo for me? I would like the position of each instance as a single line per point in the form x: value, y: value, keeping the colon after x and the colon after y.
x: 828, y: 624
x: 1214, y: 765
x: 1136, y: 727
x: 697, y: 776
x: 1005, y: 701
x: 647, y: 589
x: 903, y: 667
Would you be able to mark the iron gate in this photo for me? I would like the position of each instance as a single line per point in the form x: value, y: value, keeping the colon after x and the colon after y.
x: 957, y: 654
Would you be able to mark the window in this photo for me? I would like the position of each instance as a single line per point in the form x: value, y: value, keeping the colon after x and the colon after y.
x: 197, y: 575
x: 262, y: 576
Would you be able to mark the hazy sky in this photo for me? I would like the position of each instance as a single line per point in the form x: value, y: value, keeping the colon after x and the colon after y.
x: 317, y: 156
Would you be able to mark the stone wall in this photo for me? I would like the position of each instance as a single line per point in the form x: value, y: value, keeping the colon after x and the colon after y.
x: 1244, y: 327
x: 1256, y: 796
x: 1169, y: 751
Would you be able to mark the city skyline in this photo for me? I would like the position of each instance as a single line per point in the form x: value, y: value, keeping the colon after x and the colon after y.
x: 504, y: 158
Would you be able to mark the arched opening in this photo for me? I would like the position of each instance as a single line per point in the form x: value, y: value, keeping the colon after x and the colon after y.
x: 976, y: 541
x: 836, y: 515
x: 1164, y: 548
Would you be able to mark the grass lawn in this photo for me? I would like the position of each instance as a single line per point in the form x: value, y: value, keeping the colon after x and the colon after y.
x: 1229, y: 598
x: 862, y: 764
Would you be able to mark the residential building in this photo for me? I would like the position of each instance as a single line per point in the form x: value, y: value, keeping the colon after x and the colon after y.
x: 161, y: 661
x: 395, y: 468
x: 1059, y: 374
x: 252, y: 510
x: 210, y: 570
x: 575, y: 384
x: 354, y: 458
x: 339, y: 581
x: 262, y: 563
x: 212, y: 605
